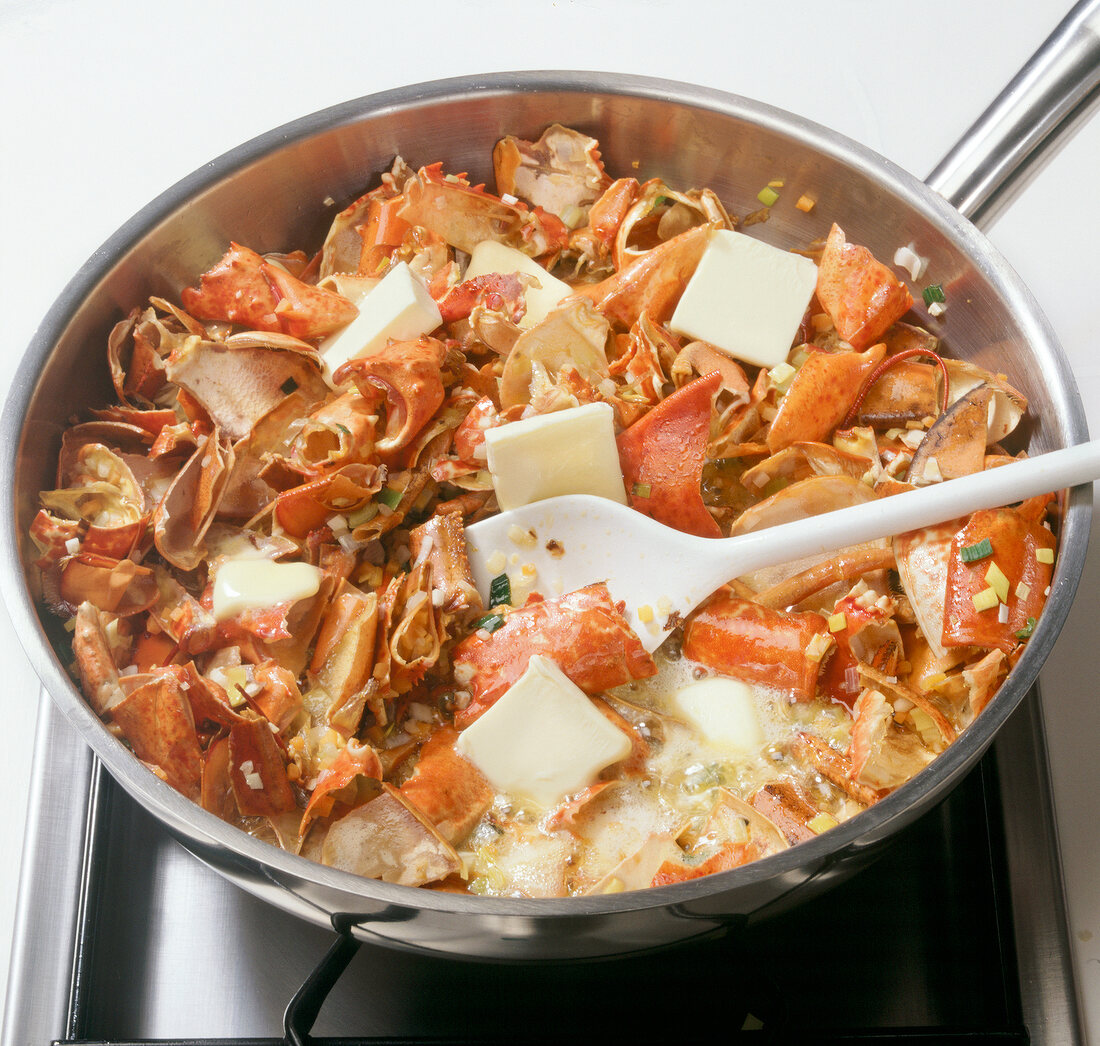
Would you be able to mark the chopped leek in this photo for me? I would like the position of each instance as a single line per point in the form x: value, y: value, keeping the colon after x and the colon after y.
x: 972, y: 553
x: 1025, y: 632
x: 985, y: 600
x: 1044, y: 555
x: 767, y: 196
x: 390, y: 497
x: 997, y: 581
x: 822, y: 822
x: 489, y: 622
x: 500, y: 591
x: 362, y: 515
x: 641, y: 490
x: 932, y: 293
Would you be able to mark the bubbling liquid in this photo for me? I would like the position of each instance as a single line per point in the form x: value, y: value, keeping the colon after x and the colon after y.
x: 665, y: 804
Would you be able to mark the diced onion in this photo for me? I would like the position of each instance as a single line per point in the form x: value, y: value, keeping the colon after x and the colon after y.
x: 908, y: 259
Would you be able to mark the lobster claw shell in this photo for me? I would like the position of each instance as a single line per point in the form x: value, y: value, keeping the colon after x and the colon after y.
x: 743, y: 640
x: 861, y: 295
x: 820, y: 395
x: 343, y: 657
x: 257, y: 770
x: 245, y: 289
x: 574, y: 333
x: 238, y: 385
x: 119, y: 586
x: 336, y: 433
x: 305, y: 508
x: 446, y: 788
x: 583, y: 631
x: 408, y: 374
x: 1009, y: 404
x: 354, y: 761
x: 189, y: 505
x: 652, y: 282
x: 659, y: 214
x: 389, y: 839
x: 156, y: 719
x: 95, y: 660
x: 136, y: 349
x: 663, y: 454
x: 561, y: 172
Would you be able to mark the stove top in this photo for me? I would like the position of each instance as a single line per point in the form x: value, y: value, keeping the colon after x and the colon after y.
x: 957, y: 933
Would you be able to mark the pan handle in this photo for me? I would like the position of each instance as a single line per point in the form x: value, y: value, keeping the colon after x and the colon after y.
x: 1047, y: 100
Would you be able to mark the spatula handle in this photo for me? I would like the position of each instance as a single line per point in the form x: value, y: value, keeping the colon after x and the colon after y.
x: 918, y: 508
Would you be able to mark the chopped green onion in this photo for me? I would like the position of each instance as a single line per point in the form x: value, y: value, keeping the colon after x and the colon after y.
x: 767, y: 196
x: 500, y: 591
x: 1025, y: 632
x: 344, y: 429
x: 641, y: 490
x: 490, y: 622
x: 389, y: 497
x: 972, y: 553
x: 663, y: 200
x: 933, y: 292
x: 362, y: 515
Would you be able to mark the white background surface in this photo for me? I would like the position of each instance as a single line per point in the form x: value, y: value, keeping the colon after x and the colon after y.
x: 107, y: 104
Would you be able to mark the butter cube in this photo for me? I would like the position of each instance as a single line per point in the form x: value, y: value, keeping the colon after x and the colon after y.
x: 746, y: 298
x: 571, y: 451
x: 400, y: 308
x: 490, y: 256
x: 543, y: 739
x: 254, y: 583
x: 723, y: 711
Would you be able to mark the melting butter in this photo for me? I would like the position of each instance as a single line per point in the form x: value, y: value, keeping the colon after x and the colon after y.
x: 252, y: 583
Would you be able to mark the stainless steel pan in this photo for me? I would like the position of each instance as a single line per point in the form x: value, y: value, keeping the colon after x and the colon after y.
x: 270, y: 193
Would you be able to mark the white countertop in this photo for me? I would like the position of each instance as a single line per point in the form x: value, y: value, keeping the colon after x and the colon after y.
x: 105, y: 105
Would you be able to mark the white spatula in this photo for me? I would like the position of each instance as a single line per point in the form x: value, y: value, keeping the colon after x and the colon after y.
x: 580, y: 539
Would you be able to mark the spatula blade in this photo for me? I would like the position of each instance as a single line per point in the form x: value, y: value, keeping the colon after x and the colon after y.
x: 562, y: 544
